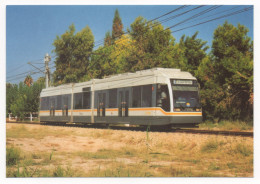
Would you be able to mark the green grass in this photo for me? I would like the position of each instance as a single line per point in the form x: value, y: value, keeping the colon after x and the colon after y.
x: 27, y: 171
x: 210, y: 146
x: 13, y: 156
x: 213, y: 166
x: 243, y: 149
x: 61, y: 172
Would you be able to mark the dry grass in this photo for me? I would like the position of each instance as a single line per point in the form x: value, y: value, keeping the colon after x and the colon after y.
x: 58, y: 152
x: 227, y: 125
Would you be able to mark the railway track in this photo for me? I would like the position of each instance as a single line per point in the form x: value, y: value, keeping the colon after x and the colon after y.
x: 191, y: 131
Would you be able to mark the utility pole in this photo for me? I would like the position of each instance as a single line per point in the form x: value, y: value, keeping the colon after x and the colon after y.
x: 47, y: 59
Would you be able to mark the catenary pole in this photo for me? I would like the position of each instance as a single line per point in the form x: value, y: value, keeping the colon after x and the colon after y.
x: 47, y: 59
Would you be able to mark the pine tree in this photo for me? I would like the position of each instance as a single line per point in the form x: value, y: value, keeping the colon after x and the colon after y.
x: 108, y: 39
x: 117, y: 29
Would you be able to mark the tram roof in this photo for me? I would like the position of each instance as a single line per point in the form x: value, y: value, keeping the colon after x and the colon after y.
x: 146, y: 75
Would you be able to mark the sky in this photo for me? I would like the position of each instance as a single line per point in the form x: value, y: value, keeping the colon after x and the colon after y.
x: 31, y: 30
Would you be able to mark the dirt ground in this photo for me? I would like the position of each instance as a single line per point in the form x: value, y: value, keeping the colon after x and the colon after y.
x: 102, y: 152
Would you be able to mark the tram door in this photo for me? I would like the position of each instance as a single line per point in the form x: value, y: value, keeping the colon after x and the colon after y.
x: 101, y: 106
x: 52, y: 107
x: 123, y: 102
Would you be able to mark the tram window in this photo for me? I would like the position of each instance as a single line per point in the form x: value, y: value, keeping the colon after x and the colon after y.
x: 162, y: 97
x: 45, y: 103
x: 58, y: 107
x: 86, y: 100
x: 78, y: 101
x: 137, y: 96
x: 112, y: 95
x: 42, y: 103
x: 52, y: 102
x: 104, y: 99
x: 66, y: 101
x: 147, y: 96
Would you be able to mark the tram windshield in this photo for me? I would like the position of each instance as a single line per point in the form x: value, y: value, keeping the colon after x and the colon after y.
x: 185, y: 94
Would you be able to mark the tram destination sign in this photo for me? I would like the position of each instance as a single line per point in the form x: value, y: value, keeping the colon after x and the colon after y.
x: 183, y: 82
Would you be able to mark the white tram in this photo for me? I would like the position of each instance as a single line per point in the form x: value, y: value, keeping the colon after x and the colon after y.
x: 156, y: 97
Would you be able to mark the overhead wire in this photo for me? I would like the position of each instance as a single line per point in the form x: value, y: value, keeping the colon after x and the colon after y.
x: 24, y: 74
x: 220, y: 17
x: 28, y: 72
x: 179, y: 8
x: 217, y: 13
x: 19, y: 67
x: 178, y: 15
x: 32, y: 73
x: 194, y: 16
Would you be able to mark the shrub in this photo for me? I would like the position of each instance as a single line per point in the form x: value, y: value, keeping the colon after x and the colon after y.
x: 209, y: 146
x: 213, y: 166
x: 60, y: 172
x: 243, y: 149
x: 13, y: 155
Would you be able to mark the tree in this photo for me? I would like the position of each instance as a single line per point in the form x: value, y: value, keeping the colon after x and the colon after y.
x: 73, y: 55
x: 117, y: 28
x: 19, y: 105
x: 28, y: 80
x: 153, y: 44
x: 41, y: 80
x: 108, y: 39
x: 229, y: 88
x: 123, y: 55
x: 11, y: 94
x: 22, y: 99
x: 34, y: 103
x: 194, y: 51
x: 64, y: 46
x: 100, y: 64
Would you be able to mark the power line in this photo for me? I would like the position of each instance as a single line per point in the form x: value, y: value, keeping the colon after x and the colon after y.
x: 27, y: 72
x: 20, y: 66
x: 184, y: 6
x: 227, y: 15
x: 180, y: 14
x: 9, y: 80
x: 194, y: 16
x: 220, y: 12
x: 31, y: 73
